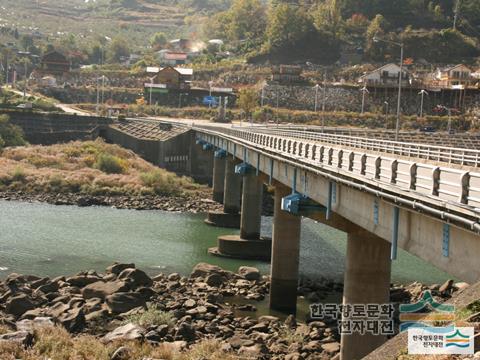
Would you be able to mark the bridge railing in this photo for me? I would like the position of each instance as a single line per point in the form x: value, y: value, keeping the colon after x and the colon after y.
x: 459, y: 187
x: 460, y: 156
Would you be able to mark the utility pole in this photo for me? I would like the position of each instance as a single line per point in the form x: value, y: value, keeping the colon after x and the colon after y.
x: 26, y: 80
x: 324, y: 101
x: 316, y: 87
x: 364, y: 91
x: 98, y: 97
x: 422, y: 93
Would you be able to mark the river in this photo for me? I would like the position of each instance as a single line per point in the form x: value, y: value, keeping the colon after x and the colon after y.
x: 50, y: 240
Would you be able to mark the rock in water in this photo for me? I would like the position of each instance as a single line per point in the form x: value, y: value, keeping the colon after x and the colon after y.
x: 249, y: 273
x: 116, y: 268
x: 125, y: 333
x: 204, y: 269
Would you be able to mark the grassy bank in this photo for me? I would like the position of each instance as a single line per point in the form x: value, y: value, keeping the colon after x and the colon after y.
x: 90, y: 168
x: 56, y: 343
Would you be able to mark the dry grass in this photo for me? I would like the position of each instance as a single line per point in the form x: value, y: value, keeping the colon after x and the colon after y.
x: 55, y: 343
x: 91, y: 167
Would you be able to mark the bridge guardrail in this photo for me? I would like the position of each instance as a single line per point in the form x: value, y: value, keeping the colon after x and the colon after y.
x: 450, y: 155
x: 454, y: 186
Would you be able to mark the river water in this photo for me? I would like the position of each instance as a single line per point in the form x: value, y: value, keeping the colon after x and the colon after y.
x: 50, y: 240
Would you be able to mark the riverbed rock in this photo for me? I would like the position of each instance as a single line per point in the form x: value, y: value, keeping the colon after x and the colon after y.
x: 331, y: 348
x: 125, y: 333
x: 122, y: 302
x: 122, y: 353
x: 135, y: 277
x: 81, y: 281
x: 18, y: 305
x: 446, y: 287
x: 73, y: 320
x: 215, y: 280
x: 116, y: 268
x: 102, y: 289
x: 24, y: 338
x: 185, y: 332
x: 204, y: 269
x: 249, y: 273
x: 30, y: 325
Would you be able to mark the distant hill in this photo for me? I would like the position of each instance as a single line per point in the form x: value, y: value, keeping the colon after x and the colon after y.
x: 84, y: 19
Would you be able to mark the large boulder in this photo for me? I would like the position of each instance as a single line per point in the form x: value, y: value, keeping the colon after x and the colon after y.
x: 249, y: 273
x: 18, y: 305
x: 30, y: 325
x: 122, y: 302
x: 73, y: 320
x: 125, y: 333
x: 116, y: 268
x: 135, y: 278
x: 203, y: 270
x: 24, y: 338
x: 82, y: 280
x: 102, y: 289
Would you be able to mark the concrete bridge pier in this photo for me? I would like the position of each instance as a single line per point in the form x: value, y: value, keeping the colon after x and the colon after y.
x: 285, y: 255
x: 249, y: 244
x: 367, y: 281
x: 230, y: 216
x: 219, y: 175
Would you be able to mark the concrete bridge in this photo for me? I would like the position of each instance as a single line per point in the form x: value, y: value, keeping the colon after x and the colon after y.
x: 420, y: 197
x: 384, y: 195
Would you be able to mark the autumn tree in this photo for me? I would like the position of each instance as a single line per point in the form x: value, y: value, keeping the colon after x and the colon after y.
x: 247, y: 101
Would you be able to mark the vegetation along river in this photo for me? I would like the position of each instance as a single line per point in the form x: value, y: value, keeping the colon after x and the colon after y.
x: 50, y: 240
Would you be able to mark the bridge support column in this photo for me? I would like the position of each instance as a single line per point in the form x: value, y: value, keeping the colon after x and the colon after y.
x: 230, y: 216
x: 233, y: 188
x: 249, y: 244
x: 367, y: 281
x: 251, y: 217
x: 218, y: 177
x: 285, y: 255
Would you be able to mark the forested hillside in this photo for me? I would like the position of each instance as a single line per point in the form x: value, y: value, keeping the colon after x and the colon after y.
x: 435, y: 30
x: 319, y: 31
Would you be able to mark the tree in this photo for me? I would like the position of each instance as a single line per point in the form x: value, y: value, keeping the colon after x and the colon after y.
x: 377, y: 28
x: 158, y: 40
x: 245, y: 20
x: 287, y: 25
x: 247, y: 101
x: 26, y: 42
x: 10, y: 135
x: 118, y: 49
x: 328, y: 16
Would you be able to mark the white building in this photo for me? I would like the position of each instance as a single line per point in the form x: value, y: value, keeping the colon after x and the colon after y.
x: 387, y: 75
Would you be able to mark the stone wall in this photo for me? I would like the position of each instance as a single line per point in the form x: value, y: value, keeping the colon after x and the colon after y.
x: 51, y: 128
x: 349, y: 98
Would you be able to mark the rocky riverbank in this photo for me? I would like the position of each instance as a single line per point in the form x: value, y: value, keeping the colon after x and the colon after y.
x: 124, y: 309
x: 194, y: 203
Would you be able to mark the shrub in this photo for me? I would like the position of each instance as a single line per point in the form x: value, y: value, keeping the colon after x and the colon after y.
x: 19, y: 174
x: 160, y: 181
x: 151, y: 317
x: 110, y: 164
x: 11, y: 135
